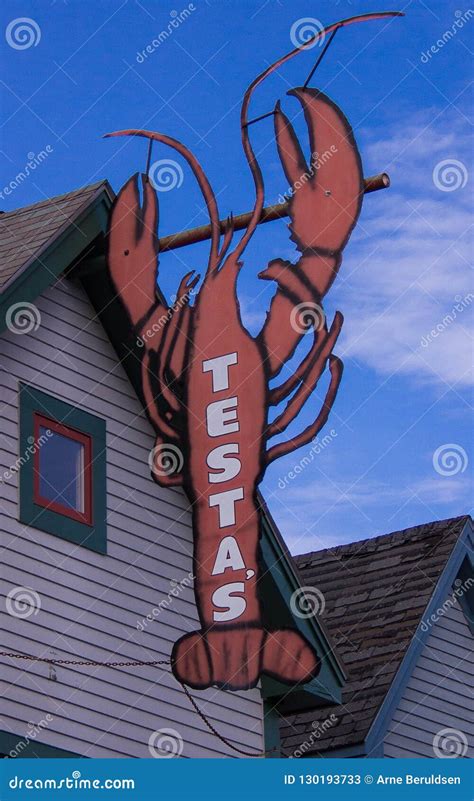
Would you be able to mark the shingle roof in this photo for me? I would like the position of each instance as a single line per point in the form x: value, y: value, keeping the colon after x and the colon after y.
x: 25, y: 233
x: 375, y: 594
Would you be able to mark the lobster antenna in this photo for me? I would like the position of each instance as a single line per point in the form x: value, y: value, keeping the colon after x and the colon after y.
x: 148, y: 159
x: 200, y: 175
x: 248, y: 150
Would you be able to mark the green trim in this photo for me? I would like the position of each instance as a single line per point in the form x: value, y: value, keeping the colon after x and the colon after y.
x: 466, y: 599
x: 278, y: 585
x: 271, y: 731
x: 65, y: 249
x: 94, y: 536
x: 19, y: 746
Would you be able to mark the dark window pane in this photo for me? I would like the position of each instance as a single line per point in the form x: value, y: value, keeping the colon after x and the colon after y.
x: 61, y: 470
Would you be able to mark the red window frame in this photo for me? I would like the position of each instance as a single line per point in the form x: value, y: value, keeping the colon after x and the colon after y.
x: 39, y: 420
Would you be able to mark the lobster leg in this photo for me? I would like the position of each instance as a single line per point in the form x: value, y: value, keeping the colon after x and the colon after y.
x: 277, y: 394
x: 282, y: 448
x: 172, y: 332
x: 309, y: 381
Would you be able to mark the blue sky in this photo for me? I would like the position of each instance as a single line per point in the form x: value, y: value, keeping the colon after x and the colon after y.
x: 398, y: 449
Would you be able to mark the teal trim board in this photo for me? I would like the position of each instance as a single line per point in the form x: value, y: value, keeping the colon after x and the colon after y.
x: 16, y: 746
x: 92, y: 536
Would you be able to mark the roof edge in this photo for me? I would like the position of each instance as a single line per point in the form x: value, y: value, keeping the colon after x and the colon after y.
x: 381, y: 537
x: 101, y: 187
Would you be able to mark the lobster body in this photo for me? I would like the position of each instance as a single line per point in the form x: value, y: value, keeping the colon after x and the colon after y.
x: 225, y: 370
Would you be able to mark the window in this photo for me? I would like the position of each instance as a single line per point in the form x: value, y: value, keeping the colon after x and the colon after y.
x: 62, y: 469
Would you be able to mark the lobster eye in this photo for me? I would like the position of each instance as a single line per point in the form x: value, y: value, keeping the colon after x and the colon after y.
x: 126, y: 252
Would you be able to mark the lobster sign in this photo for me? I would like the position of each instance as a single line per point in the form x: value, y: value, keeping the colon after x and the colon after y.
x: 205, y: 379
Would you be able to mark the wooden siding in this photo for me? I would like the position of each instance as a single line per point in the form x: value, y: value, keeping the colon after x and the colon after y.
x: 91, y: 604
x: 439, y: 692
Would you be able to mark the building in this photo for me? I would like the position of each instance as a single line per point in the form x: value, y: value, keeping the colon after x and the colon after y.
x: 400, y: 611
x: 105, y: 574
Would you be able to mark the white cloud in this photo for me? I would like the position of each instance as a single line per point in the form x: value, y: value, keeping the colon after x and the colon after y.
x: 409, y: 261
x: 306, y: 511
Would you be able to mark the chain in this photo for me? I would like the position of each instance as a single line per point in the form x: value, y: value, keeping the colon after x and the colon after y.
x: 93, y: 663
x: 216, y: 733
x: 88, y: 663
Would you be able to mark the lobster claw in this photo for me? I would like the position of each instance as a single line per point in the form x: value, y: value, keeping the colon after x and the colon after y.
x: 326, y: 195
x: 133, y: 248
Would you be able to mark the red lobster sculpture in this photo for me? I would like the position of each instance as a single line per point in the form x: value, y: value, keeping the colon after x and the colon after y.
x: 205, y: 380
